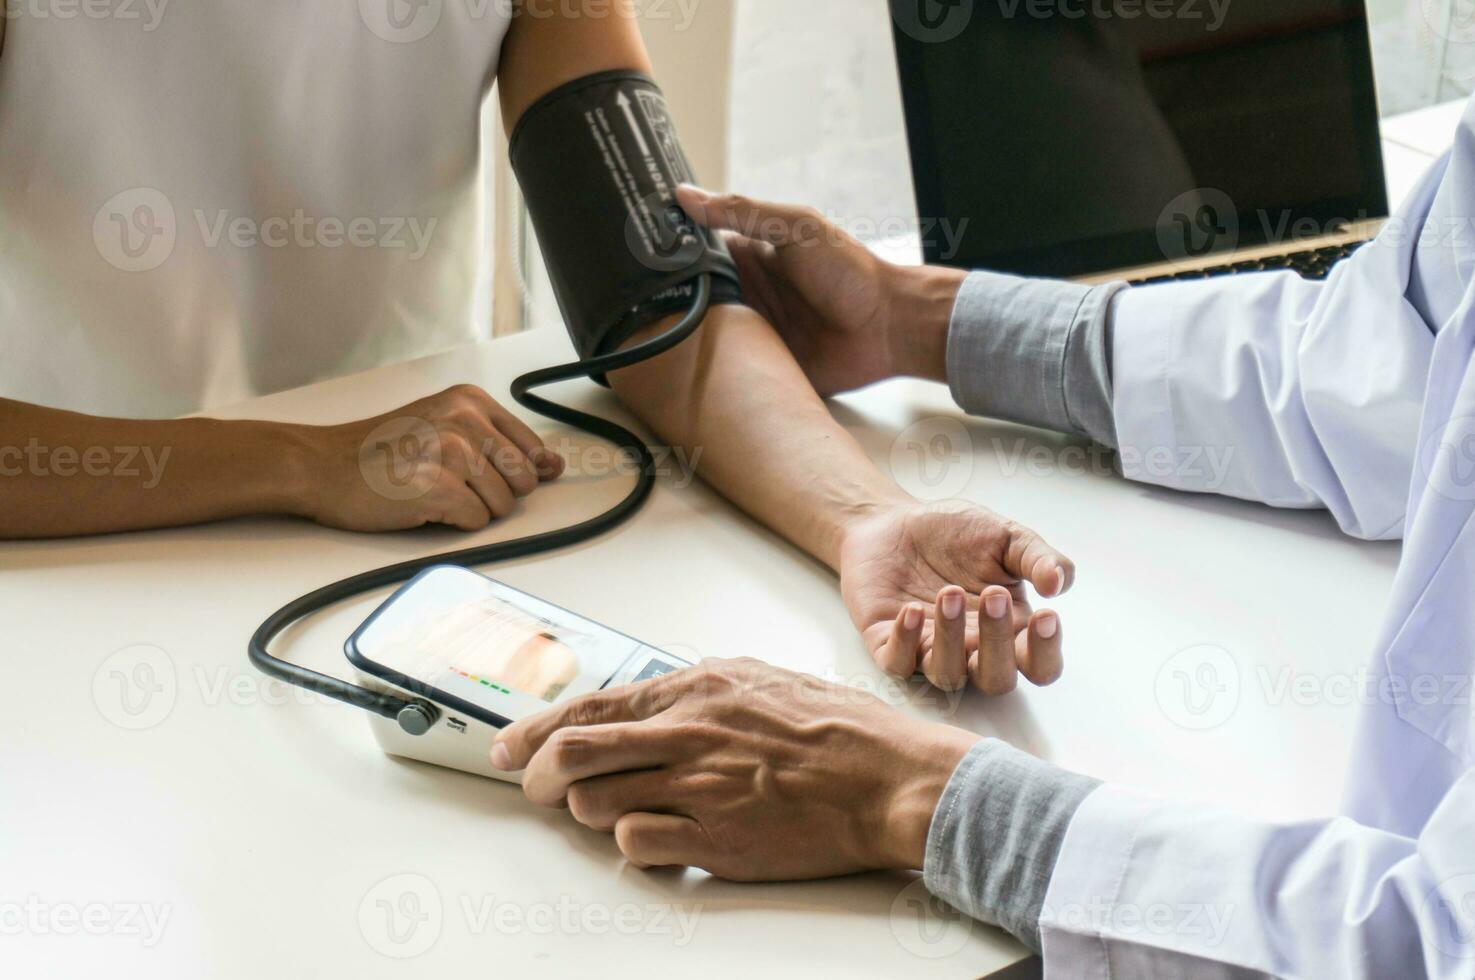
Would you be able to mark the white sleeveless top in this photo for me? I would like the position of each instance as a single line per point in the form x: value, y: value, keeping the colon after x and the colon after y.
x: 205, y: 200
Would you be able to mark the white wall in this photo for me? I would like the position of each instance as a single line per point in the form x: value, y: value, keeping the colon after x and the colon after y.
x: 1425, y: 51
x: 691, y: 46
x: 816, y: 112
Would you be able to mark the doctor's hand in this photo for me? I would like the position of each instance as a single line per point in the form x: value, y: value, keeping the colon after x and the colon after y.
x: 743, y: 770
x: 456, y: 458
x: 943, y: 589
x: 850, y: 318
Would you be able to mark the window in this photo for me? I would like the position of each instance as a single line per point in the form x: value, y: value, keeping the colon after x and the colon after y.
x: 815, y: 115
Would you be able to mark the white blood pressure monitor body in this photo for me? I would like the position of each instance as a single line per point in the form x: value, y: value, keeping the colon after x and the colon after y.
x: 486, y: 655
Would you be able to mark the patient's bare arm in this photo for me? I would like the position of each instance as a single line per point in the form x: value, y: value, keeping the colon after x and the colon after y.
x: 935, y: 590
x: 65, y: 474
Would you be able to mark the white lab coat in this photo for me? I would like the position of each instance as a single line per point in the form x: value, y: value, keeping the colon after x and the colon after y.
x: 1357, y: 395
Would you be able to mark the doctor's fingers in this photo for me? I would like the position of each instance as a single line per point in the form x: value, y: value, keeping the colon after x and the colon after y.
x: 661, y: 840
x: 754, y: 261
x: 572, y: 755
x: 766, y: 221
x: 600, y: 802
x: 517, y: 744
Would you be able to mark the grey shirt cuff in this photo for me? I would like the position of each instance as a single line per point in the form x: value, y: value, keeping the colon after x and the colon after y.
x: 997, y: 833
x: 1036, y: 351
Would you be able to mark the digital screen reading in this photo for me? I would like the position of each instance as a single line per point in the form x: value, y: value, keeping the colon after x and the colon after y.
x: 489, y: 640
x: 491, y: 645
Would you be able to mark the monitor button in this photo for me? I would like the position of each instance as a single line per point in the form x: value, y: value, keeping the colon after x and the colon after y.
x: 654, y: 669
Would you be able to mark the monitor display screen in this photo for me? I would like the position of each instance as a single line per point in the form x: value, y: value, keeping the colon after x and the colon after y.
x: 489, y: 649
x: 1074, y: 137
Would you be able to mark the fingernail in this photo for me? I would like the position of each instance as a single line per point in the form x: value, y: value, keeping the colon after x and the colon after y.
x: 952, y: 605
x: 997, y: 606
x: 696, y: 192
x: 1047, y: 627
x: 501, y: 758
x: 912, y: 618
x: 1060, y: 579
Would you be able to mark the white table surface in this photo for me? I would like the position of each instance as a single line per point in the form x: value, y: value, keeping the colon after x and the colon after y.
x: 1214, y: 653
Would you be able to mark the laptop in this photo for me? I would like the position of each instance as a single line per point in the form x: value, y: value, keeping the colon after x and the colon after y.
x: 1143, y: 140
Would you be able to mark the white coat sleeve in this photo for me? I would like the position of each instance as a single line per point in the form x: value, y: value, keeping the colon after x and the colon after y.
x: 1147, y: 889
x: 1294, y: 393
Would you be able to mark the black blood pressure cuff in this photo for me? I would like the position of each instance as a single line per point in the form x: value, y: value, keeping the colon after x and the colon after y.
x: 599, y: 162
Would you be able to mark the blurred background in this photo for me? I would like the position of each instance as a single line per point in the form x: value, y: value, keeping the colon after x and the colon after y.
x: 799, y: 102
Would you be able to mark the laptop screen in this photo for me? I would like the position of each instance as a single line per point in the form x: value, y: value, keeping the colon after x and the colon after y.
x: 1074, y: 137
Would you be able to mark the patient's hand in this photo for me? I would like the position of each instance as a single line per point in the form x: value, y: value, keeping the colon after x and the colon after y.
x: 456, y: 458
x: 941, y: 589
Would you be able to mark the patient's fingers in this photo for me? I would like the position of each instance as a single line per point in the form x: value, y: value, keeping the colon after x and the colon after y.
x: 898, y: 657
x: 995, y: 668
x: 1038, y: 649
x: 1031, y: 558
x: 946, y: 664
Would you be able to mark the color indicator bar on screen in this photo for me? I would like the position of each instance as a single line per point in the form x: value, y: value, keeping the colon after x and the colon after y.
x: 480, y: 680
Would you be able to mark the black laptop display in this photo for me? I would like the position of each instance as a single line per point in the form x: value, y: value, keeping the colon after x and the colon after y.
x: 1077, y: 137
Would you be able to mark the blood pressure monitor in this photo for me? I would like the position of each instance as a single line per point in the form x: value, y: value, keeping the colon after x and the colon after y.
x: 486, y: 655
x: 453, y: 657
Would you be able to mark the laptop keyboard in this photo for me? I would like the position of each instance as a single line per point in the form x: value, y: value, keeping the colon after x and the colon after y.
x: 1313, y: 263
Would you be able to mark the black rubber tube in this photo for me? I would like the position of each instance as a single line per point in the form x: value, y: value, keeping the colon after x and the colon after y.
x: 389, y: 705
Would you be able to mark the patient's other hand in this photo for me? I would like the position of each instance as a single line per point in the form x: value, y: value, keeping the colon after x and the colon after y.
x: 942, y: 589
x: 456, y: 458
